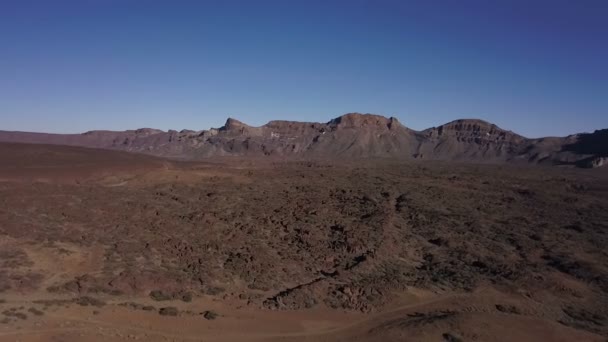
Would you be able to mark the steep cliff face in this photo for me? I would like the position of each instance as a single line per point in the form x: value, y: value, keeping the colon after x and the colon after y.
x: 357, y: 135
x: 471, y: 138
x: 473, y: 131
x: 352, y: 135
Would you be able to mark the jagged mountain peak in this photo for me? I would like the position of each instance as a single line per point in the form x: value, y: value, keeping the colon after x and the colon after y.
x: 233, y: 124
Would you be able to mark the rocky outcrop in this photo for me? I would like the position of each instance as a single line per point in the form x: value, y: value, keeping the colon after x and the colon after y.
x: 596, y: 162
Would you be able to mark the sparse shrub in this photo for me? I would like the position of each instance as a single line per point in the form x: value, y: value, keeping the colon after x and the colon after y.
x: 448, y: 337
x: 168, y: 311
x: 159, y: 295
x: 51, y: 302
x: 52, y: 289
x: 86, y: 301
x: 111, y: 292
x: 20, y: 315
x: 64, y: 251
x: 508, y: 309
x: 115, y: 292
x: 35, y: 311
x: 214, y: 290
x: 210, y: 315
x: 132, y: 305
x: 187, y: 297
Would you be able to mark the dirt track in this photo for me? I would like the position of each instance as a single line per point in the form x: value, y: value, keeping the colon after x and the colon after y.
x: 369, y: 251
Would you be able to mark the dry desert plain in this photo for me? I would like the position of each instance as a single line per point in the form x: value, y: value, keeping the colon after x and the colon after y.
x: 100, y: 245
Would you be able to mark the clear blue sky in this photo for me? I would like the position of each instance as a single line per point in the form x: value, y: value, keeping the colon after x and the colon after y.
x: 536, y: 67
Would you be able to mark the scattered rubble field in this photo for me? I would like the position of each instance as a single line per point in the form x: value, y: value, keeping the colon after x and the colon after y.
x: 103, y: 245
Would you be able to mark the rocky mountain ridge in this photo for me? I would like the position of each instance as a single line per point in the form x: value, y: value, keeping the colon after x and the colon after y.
x: 352, y: 135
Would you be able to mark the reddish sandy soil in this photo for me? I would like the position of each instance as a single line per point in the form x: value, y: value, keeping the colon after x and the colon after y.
x: 109, y: 246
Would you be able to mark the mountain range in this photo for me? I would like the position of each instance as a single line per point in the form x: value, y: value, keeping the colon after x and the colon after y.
x: 352, y: 135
